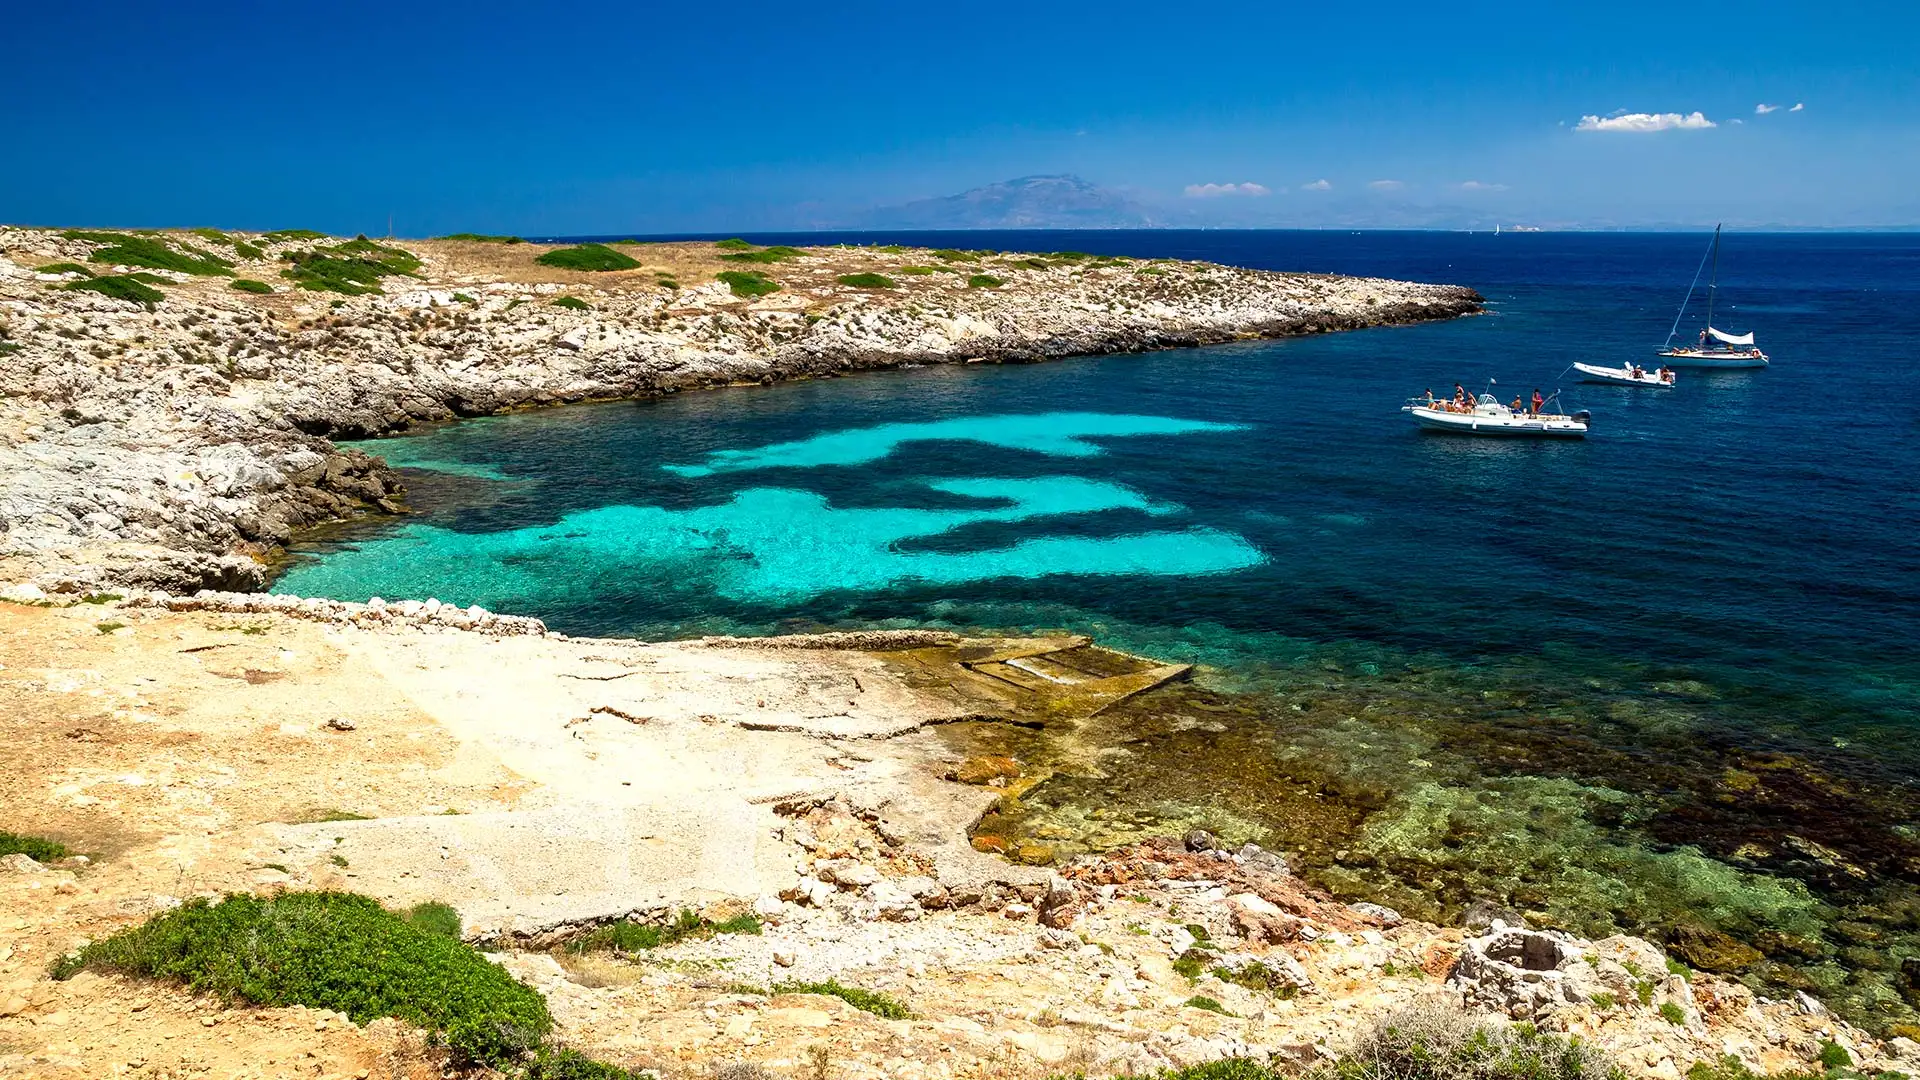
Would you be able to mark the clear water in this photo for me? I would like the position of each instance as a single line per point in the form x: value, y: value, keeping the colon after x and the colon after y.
x: 1666, y: 678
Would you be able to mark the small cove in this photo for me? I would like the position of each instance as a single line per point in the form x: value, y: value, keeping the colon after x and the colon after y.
x: 1664, y: 679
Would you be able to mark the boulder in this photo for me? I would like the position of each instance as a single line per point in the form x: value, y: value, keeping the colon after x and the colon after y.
x: 1062, y: 906
x: 19, y: 863
x: 1524, y: 973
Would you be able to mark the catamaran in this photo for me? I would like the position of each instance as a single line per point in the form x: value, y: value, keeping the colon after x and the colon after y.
x: 1484, y: 415
x: 1716, y: 348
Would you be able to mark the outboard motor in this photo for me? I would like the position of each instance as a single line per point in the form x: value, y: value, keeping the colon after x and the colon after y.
x: 1584, y: 416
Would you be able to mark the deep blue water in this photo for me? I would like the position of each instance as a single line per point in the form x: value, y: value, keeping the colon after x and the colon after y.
x: 1670, y: 672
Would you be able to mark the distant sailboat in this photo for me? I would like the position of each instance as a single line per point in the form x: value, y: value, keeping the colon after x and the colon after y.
x: 1496, y: 228
x: 1716, y: 349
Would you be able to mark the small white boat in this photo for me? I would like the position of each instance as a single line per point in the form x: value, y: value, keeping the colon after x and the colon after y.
x: 1716, y: 348
x: 1628, y: 375
x: 1486, y: 416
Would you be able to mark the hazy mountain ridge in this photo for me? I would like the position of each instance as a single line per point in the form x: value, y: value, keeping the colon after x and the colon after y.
x: 1027, y: 202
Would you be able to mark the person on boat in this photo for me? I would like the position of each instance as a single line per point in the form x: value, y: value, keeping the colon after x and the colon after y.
x: 1517, y: 407
x: 1666, y: 373
x: 1638, y: 371
x: 1703, y: 341
x: 1429, y: 397
x: 1538, y: 401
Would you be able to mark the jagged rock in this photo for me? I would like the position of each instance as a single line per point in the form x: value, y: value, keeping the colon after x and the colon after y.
x: 1711, y: 950
x: 885, y: 900
x: 847, y: 873
x: 1524, y: 973
x: 1201, y: 840
x: 1062, y: 906
x: 1260, y: 921
x: 18, y: 863
x: 1385, y: 916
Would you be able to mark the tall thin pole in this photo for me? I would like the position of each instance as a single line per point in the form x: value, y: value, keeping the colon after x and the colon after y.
x: 1713, y: 283
x: 1694, y: 284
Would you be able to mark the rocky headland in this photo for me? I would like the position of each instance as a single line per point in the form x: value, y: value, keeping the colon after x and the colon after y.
x: 168, y: 400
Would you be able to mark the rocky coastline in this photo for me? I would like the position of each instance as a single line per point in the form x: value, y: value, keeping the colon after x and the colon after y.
x: 176, y: 442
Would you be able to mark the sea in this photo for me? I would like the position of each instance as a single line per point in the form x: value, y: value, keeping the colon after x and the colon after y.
x: 1663, y: 680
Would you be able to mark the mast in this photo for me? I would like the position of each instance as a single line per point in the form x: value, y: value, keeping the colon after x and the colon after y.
x: 1713, y: 283
x: 1713, y: 249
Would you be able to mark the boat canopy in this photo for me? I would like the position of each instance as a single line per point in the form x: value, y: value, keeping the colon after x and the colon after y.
x: 1731, y: 339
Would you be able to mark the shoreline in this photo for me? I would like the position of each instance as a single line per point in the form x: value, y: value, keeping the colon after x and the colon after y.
x: 175, y: 445
x: 543, y: 785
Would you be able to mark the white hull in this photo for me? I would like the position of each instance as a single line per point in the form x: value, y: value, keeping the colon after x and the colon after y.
x: 1714, y: 358
x: 1503, y: 423
x: 1594, y: 373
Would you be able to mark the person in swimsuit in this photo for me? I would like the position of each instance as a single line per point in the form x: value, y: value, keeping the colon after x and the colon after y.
x: 1538, y: 401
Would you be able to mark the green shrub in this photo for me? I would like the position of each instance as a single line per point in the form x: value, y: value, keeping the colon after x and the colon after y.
x: 1433, y: 1041
x: 1150, y: 271
x: 33, y: 847
x: 595, y: 258
x: 435, y: 918
x: 1673, y: 1014
x: 734, y: 244
x: 919, y: 271
x: 151, y: 251
x: 120, y: 287
x: 248, y: 285
x: 630, y: 936
x: 1833, y: 1055
x: 63, y: 268
x: 748, y: 282
x: 293, y: 234
x: 240, y: 247
x: 774, y: 254
x: 667, y: 283
x: 1604, y: 1001
x: 214, y: 235
x: 1198, y: 1001
x: 867, y: 281
x: 1030, y: 264
x: 984, y: 281
x: 950, y: 255
x: 571, y: 303
x: 463, y: 298
x: 870, y: 1001
x: 573, y: 1065
x: 481, y: 238
x: 331, y: 951
x: 354, y: 267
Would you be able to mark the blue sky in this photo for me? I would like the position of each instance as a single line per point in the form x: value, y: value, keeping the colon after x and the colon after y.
x: 653, y: 118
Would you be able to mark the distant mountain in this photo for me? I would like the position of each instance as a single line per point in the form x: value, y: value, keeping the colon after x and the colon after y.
x: 1030, y: 202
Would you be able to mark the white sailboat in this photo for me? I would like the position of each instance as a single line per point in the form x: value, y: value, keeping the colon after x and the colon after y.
x: 1716, y: 348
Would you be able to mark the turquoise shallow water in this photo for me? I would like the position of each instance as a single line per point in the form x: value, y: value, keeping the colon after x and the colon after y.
x: 1665, y: 679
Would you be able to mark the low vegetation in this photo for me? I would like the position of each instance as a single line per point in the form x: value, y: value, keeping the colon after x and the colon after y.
x: 435, y: 918
x: 595, y: 258
x: 280, y: 235
x: 248, y: 285
x: 571, y: 303
x: 120, y: 287
x: 353, y: 267
x: 734, y: 244
x: 748, y: 283
x: 868, y: 281
x: 774, y: 254
x: 1198, y: 1001
x: 240, y: 246
x: 630, y: 936
x: 951, y: 255
x: 153, y: 252
x: 481, y: 238
x: 63, y: 268
x: 870, y: 1001
x: 33, y: 847
x: 334, y: 951
x: 985, y: 281
x: 573, y: 1065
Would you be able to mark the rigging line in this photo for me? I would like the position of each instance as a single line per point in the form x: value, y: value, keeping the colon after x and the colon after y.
x: 1678, y: 315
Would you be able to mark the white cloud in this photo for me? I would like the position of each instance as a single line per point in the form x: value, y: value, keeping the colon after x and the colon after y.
x: 1386, y: 185
x: 1763, y: 109
x: 1317, y: 185
x: 1209, y: 191
x: 1478, y: 185
x: 1639, y: 121
x: 1797, y: 106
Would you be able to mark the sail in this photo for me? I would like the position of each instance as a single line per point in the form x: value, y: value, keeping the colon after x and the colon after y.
x: 1730, y: 339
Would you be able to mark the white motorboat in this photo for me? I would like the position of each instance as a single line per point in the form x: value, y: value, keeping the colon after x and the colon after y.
x: 1628, y: 375
x: 1486, y: 416
x: 1716, y: 348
